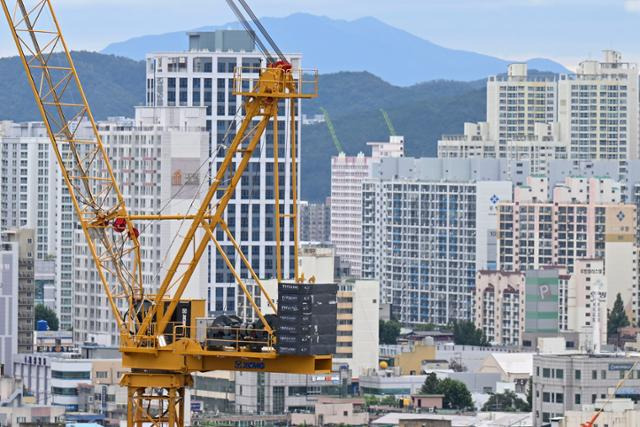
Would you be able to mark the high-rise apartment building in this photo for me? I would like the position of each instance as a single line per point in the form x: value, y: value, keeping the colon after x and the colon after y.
x: 315, y: 222
x: 203, y: 76
x: 539, y: 148
x: 347, y: 175
x: 160, y: 160
x: 33, y: 195
x: 517, y: 101
x: 29, y: 182
x: 499, y: 306
x: 17, y: 251
x: 544, y: 302
x: 583, y: 218
x: 592, y: 114
x: 428, y: 225
x: 9, y: 305
x: 598, y: 109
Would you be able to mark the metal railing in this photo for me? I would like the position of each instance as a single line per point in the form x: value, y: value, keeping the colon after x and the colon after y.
x: 305, y: 82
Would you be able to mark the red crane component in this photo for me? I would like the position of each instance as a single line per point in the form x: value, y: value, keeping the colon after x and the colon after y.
x: 119, y: 225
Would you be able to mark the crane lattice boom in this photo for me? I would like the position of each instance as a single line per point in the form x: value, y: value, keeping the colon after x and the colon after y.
x: 161, y: 350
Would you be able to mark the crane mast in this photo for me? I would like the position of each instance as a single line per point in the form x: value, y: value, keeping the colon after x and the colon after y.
x: 161, y: 352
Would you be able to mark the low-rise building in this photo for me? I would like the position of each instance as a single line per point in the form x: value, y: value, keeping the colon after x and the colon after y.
x: 614, y: 413
x: 215, y: 390
x: 515, y: 368
x: 66, y: 377
x: 276, y: 393
x: 565, y: 382
x: 32, y: 415
x: 411, y: 362
x: 54, y: 341
x: 387, y: 384
x: 334, y: 411
x: 426, y: 401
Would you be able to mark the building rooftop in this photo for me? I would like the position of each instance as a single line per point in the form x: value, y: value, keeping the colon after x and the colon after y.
x: 482, y: 419
x: 515, y: 363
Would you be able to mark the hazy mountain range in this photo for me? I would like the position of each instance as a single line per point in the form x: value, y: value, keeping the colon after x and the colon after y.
x: 365, y: 44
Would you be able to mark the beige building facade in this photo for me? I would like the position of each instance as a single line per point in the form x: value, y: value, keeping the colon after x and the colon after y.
x: 499, y: 306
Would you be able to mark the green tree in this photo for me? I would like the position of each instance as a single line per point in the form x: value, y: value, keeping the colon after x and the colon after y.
x: 428, y: 327
x: 466, y: 333
x: 530, y: 395
x: 617, y: 319
x: 389, y: 331
x: 389, y: 401
x: 430, y: 385
x: 456, y: 394
x: 42, y: 312
x: 506, y: 402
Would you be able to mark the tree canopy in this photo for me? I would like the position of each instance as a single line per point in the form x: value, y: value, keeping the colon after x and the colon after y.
x: 456, y: 394
x: 466, y: 333
x: 506, y: 402
x: 617, y: 318
x: 389, y: 332
x: 42, y: 312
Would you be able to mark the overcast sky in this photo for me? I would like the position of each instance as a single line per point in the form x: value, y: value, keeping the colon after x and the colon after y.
x: 564, y: 30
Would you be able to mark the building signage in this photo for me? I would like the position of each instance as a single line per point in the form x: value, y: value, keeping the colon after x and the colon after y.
x: 620, y: 366
x: 248, y: 365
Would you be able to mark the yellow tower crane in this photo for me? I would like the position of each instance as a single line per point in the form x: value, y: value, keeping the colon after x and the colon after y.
x: 159, y: 346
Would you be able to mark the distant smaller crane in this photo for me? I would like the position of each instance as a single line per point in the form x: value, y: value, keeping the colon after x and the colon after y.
x: 332, y: 130
x: 387, y: 119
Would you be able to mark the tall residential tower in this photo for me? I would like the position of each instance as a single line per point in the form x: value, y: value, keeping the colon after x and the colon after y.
x: 203, y: 76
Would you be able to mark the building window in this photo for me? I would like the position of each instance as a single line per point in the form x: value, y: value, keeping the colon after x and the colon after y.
x: 594, y: 375
x: 578, y: 374
x: 577, y: 399
x: 559, y: 398
x: 546, y: 373
x: 559, y: 373
x: 603, y: 374
x: 546, y: 397
x: 71, y: 375
x: 593, y: 398
x: 101, y: 374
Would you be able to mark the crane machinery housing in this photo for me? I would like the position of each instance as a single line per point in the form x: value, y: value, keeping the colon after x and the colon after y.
x: 163, y: 337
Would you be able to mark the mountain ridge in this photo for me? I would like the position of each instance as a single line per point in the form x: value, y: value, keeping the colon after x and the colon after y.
x: 422, y: 112
x: 396, y: 55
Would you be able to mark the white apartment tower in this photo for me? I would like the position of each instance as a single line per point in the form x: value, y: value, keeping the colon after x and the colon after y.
x: 517, y: 101
x: 590, y: 115
x: 160, y: 161
x: 347, y: 176
x: 428, y: 226
x: 203, y: 76
x: 598, y: 109
x: 28, y: 189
